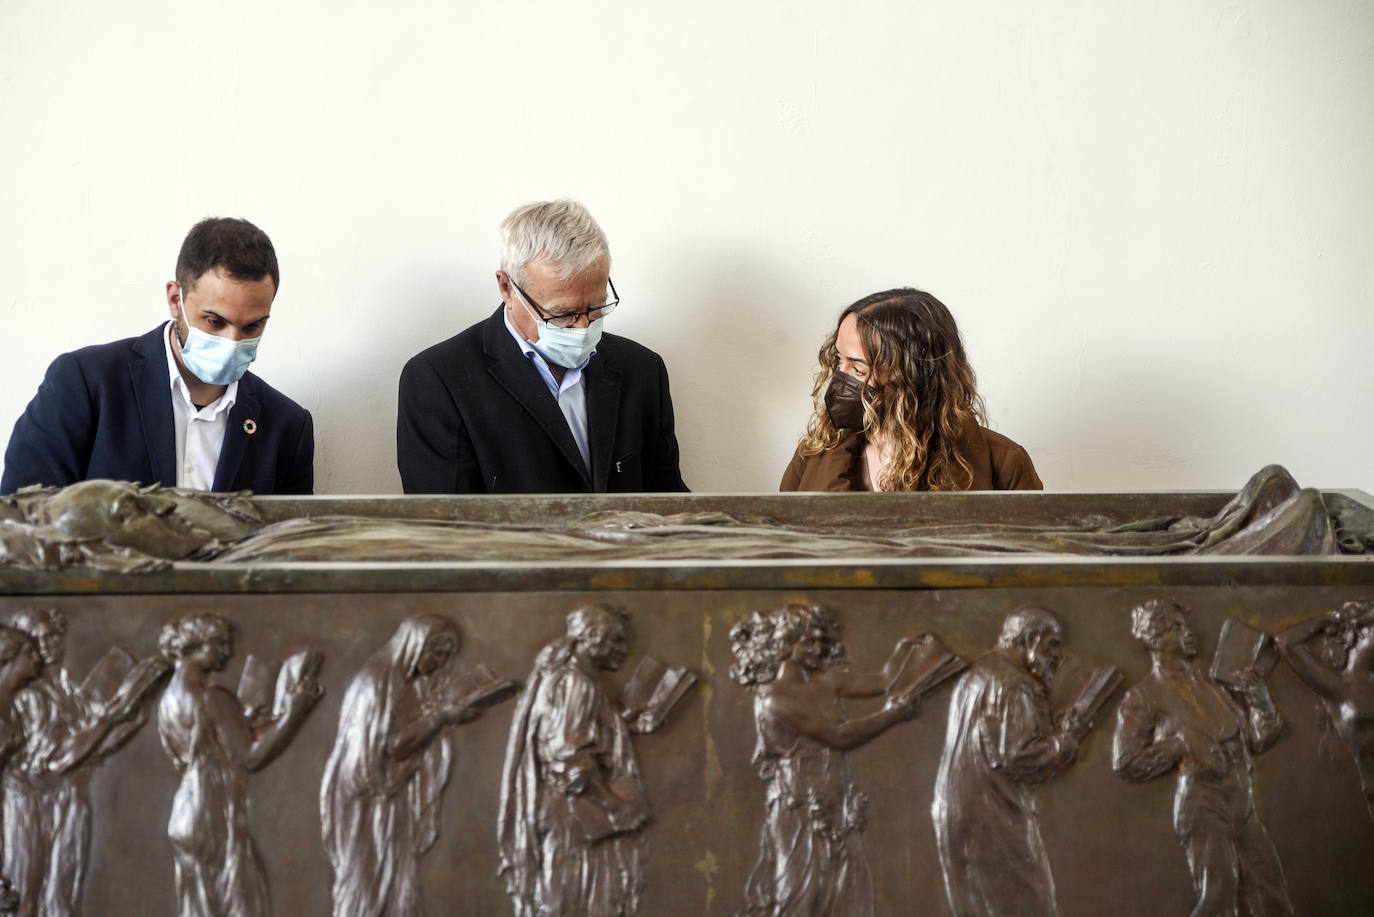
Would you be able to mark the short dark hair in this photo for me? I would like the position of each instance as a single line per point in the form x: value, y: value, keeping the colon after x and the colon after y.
x: 237, y: 246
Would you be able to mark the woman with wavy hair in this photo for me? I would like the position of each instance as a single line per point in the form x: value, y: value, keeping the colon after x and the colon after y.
x: 897, y: 408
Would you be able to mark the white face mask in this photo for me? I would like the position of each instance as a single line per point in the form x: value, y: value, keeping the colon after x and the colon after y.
x: 567, y: 347
x: 215, y: 360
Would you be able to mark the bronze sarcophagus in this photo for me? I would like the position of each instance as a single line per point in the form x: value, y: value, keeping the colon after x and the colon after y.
x: 756, y: 705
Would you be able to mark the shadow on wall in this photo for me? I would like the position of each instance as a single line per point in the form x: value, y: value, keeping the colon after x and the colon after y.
x: 355, y: 421
x: 732, y: 361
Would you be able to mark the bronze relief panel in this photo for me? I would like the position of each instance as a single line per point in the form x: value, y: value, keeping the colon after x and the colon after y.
x: 399, y: 713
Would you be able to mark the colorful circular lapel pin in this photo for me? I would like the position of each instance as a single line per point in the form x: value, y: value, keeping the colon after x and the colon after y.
x: 250, y: 426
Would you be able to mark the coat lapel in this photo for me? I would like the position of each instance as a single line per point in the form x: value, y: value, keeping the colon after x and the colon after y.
x: 512, y: 371
x: 602, y: 382
x: 243, y: 416
x: 153, y: 396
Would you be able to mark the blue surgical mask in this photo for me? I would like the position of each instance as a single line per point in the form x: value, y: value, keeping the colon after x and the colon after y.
x: 567, y: 347
x: 216, y: 360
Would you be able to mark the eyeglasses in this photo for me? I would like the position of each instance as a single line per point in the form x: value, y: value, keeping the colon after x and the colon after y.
x: 569, y: 319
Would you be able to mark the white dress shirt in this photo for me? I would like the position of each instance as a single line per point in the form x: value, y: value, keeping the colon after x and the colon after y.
x: 199, y: 431
x: 570, y: 394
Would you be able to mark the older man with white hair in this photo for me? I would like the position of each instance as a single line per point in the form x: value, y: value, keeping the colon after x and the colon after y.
x: 535, y: 398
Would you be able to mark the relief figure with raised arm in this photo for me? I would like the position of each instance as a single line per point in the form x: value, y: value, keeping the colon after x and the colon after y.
x: 1181, y: 718
x: 811, y: 858
x: 216, y: 744
x: 1333, y: 654
x: 383, y: 785
x: 1003, y: 741
x: 67, y: 733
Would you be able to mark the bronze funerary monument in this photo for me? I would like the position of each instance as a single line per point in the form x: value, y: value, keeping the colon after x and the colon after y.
x: 812, y: 704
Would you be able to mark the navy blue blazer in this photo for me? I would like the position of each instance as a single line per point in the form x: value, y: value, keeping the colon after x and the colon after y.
x: 106, y: 412
x: 475, y: 416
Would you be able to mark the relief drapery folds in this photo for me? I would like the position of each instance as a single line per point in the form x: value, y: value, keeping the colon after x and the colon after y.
x: 1333, y: 655
x: 572, y: 806
x: 1182, y: 718
x: 1003, y: 741
x: 68, y: 729
x: 216, y: 743
x: 396, y: 745
x: 384, y: 782
x: 118, y: 526
x: 811, y: 859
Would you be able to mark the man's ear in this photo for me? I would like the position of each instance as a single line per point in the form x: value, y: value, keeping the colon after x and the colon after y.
x: 174, y: 303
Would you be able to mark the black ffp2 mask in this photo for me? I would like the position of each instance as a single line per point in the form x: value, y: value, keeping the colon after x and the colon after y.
x: 844, y: 402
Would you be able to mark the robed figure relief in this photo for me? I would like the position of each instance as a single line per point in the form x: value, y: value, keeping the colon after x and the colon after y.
x: 68, y: 729
x: 1333, y: 654
x: 1003, y: 741
x: 573, y: 808
x: 811, y: 858
x: 216, y: 744
x: 383, y: 784
x: 19, y: 665
x: 1181, y: 718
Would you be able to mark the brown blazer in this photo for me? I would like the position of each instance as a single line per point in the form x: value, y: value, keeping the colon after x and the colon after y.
x: 998, y: 464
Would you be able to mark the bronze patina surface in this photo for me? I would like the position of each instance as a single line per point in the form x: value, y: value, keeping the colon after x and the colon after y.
x: 347, y: 724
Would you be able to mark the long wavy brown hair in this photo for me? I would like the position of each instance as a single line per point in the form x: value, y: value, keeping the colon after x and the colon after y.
x: 920, y: 394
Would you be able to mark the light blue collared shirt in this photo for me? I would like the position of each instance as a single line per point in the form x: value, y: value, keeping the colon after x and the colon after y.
x: 570, y: 394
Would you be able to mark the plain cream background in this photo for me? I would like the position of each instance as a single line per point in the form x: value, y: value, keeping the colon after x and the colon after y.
x: 1153, y: 221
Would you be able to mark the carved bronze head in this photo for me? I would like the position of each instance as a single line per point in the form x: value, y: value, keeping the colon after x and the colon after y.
x: 47, y: 627
x: 601, y: 632
x: 120, y: 514
x: 1163, y: 626
x: 206, y: 641
x: 805, y: 634
x: 1034, y: 638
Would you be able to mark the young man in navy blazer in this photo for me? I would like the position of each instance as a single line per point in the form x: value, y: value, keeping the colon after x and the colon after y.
x: 176, y: 406
x: 535, y: 399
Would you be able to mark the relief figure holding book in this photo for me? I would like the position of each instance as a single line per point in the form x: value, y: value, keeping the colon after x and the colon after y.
x: 1004, y: 740
x: 216, y: 743
x: 1333, y: 654
x: 811, y: 859
x: 19, y: 665
x: 573, y: 807
x: 1180, y: 717
x: 383, y: 785
x: 68, y: 730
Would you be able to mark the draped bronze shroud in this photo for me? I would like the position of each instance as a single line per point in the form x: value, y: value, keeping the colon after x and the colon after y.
x: 506, y: 571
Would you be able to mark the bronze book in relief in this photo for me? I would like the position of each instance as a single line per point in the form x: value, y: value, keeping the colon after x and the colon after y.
x: 481, y: 689
x: 1241, y: 648
x: 654, y: 689
x: 263, y: 688
x: 117, y: 684
x: 928, y: 663
x: 1093, y: 693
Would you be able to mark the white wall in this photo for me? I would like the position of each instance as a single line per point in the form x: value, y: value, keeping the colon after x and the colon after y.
x: 1154, y: 221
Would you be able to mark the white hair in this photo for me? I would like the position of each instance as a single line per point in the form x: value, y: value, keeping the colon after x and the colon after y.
x: 559, y: 233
